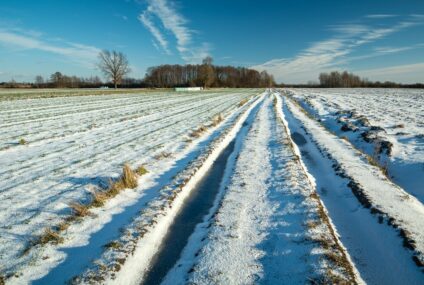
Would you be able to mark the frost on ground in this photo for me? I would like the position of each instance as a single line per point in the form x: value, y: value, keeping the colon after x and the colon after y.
x: 74, y: 145
x: 371, y: 187
x: 388, y: 124
x: 143, y: 237
x: 267, y: 223
x: 268, y: 227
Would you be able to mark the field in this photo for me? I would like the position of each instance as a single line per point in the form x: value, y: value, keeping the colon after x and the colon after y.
x: 225, y: 186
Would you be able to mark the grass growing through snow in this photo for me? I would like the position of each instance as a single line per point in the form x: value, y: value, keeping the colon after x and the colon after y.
x: 79, y: 210
x: 113, y: 244
x: 217, y: 119
x: 198, y: 132
x: 242, y: 102
x: 372, y: 159
x: 99, y: 198
x: 141, y: 170
x: 128, y: 180
x: 334, y: 252
x: 50, y: 236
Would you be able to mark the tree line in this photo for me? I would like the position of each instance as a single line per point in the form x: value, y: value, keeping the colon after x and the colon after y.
x: 206, y: 75
x: 336, y: 79
x: 115, y: 68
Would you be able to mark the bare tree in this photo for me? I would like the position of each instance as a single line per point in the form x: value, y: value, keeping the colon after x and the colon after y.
x: 39, y: 81
x: 114, y: 66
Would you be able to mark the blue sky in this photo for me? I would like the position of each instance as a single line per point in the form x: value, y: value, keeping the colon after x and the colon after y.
x: 294, y: 40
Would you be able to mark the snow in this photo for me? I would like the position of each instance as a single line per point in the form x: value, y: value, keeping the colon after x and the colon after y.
x: 76, y: 144
x: 400, y: 112
x: 134, y: 269
x: 284, y: 205
x: 258, y: 234
x: 384, y: 196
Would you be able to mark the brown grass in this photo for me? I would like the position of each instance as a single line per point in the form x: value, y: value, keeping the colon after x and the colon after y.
x: 141, y: 170
x: 128, y: 180
x: 23, y: 141
x: 198, y: 132
x: 311, y: 224
x: 49, y: 236
x: 99, y: 198
x: 79, y: 209
x: 62, y: 226
x: 217, y: 119
x: 163, y: 155
x: 242, y: 102
x: 114, y: 245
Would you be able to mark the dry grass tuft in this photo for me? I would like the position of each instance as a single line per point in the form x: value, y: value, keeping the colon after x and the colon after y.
x: 163, y: 155
x: 50, y: 236
x: 99, y: 198
x: 62, y: 226
x: 129, y: 178
x: 114, y: 245
x: 141, y: 170
x: 311, y: 224
x: 216, y: 120
x: 197, y: 133
x: 23, y: 141
x: 242, y: 102
x: 79, y: 209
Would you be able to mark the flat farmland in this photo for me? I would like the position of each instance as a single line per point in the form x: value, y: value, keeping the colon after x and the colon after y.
x: 223, y: 186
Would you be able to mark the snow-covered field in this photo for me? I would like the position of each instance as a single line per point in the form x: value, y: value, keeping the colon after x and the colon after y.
x: 302, y: 186
x: 394, y: 117
x: 74, y: 144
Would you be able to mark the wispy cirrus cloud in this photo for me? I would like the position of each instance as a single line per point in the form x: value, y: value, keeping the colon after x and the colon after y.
x: 170, y: 20
x: 16, y: 39
x: 380, y: 16
x: 157, y: 34
x: 333, y: 52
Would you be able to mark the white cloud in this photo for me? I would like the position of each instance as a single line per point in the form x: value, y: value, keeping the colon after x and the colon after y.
x: 386, y: 50
x: 176, y: 24
x: 82, y: 54
x: 145, y: 19
x: 409, y: 73
x: 380, y: 16
x: 172, y: 21
x: 332, y: 53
